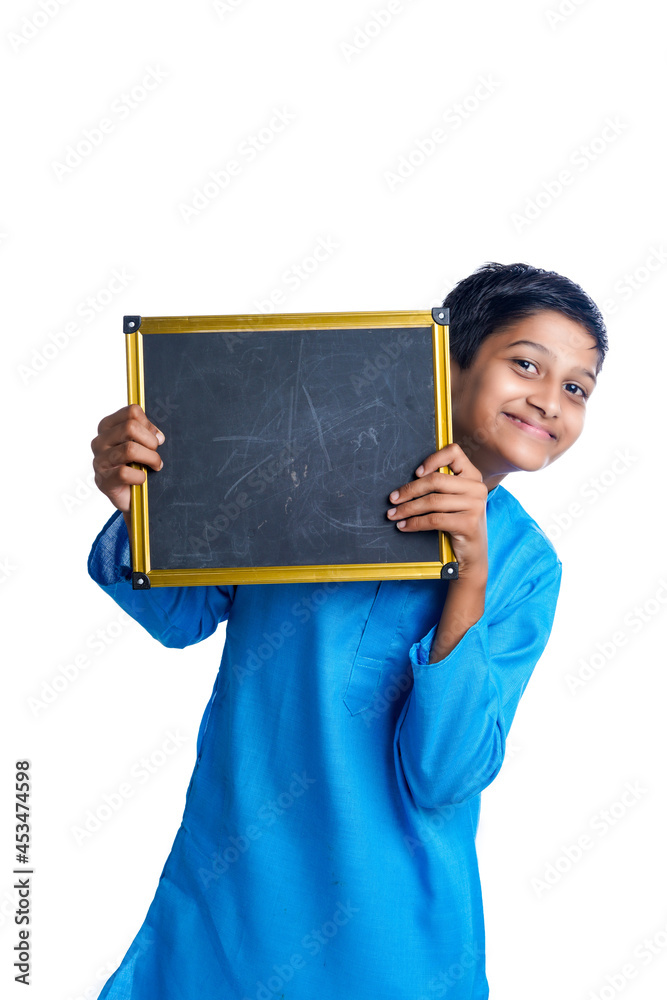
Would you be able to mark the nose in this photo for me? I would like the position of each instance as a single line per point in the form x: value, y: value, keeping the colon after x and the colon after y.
x: 545, y: 395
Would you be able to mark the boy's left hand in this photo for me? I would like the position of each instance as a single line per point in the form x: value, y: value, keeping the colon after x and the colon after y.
x: 452, y: 503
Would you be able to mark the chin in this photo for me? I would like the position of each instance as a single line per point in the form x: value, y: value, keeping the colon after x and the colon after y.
x: 534, y: 466
x: 527, y: 462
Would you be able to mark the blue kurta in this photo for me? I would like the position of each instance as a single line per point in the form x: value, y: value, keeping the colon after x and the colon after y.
x: 327, y: 847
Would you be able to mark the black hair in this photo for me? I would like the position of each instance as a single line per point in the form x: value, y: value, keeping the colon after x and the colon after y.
x: 496, y: 295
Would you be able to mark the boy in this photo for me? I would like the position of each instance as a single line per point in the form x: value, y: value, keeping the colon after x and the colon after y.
x: 327, y: 848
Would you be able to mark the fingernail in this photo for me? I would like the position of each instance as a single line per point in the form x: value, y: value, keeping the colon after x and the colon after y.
x: 391, y: 512
x: 400, y: 524
x: 420, y: 470
x: 161, y: 464
x: 394, y: 495
x: 160, y: 437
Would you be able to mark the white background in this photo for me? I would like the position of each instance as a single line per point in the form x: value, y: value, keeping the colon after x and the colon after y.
x: 538, y: 91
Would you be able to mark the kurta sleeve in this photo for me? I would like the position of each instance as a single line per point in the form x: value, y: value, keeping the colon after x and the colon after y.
x: 450, y: 736
x: 175, y: 616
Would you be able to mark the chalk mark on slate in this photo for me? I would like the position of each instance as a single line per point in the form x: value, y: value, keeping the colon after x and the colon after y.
x: 344, y: 524
x: 245, y: 474
x: 223, y: 467
x: 319, y: 427
x: 238, y: 437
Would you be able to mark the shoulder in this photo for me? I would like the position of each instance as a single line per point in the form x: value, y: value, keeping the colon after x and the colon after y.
x: 505, y: 511
x: 518, y: 547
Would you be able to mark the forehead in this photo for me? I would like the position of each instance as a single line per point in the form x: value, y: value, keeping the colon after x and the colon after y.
x: 559, y: 337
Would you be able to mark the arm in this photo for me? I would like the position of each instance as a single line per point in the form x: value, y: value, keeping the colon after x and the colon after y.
x: 450, y: 737
x: 464, y: 605
x: 457, y: 504
x: 175, y: 616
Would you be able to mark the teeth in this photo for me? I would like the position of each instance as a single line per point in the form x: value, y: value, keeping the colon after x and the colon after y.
x: 518, y: 421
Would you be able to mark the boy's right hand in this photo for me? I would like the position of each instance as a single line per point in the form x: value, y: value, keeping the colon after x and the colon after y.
x: 124, y: 436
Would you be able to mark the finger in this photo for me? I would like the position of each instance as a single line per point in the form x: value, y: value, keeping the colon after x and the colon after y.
x: 130, y: 430
x: 438, y: 483
x: 126, y: 452
x: 443, y: 503
x: 454, y: 522
x: 130, y: 412
x: 453, y: 457
x: 119, y: 475
x: 119, y: 416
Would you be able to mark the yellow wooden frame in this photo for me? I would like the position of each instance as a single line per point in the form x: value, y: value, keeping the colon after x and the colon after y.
x: 137, y: 327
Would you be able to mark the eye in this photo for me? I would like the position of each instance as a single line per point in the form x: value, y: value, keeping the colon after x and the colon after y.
x: 583, y: 392
x: 524, y: 361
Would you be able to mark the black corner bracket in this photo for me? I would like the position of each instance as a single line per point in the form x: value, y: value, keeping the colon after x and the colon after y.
x: 440, y: 315
x: 131, y: 324
x: 450, y: 571
x: 140, y: 582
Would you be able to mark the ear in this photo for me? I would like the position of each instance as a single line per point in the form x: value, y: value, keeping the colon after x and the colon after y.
x: 454, y: 372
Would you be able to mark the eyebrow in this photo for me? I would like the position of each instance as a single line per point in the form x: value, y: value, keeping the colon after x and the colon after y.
x: 545, y: 350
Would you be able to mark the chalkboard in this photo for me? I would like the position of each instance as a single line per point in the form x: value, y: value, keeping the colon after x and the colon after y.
x: 284, y: 436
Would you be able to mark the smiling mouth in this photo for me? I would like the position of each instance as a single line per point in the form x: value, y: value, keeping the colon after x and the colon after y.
x: 536, y: 432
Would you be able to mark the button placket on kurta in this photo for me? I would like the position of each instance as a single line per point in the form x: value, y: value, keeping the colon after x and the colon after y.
x: 379, y: 633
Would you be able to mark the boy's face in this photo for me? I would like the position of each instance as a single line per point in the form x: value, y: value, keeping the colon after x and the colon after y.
x: 507, y: 382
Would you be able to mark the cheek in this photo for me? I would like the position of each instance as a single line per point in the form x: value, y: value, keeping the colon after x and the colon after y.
x: 579, y: 425
x: 505, y: 387
x: 574, y: 425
